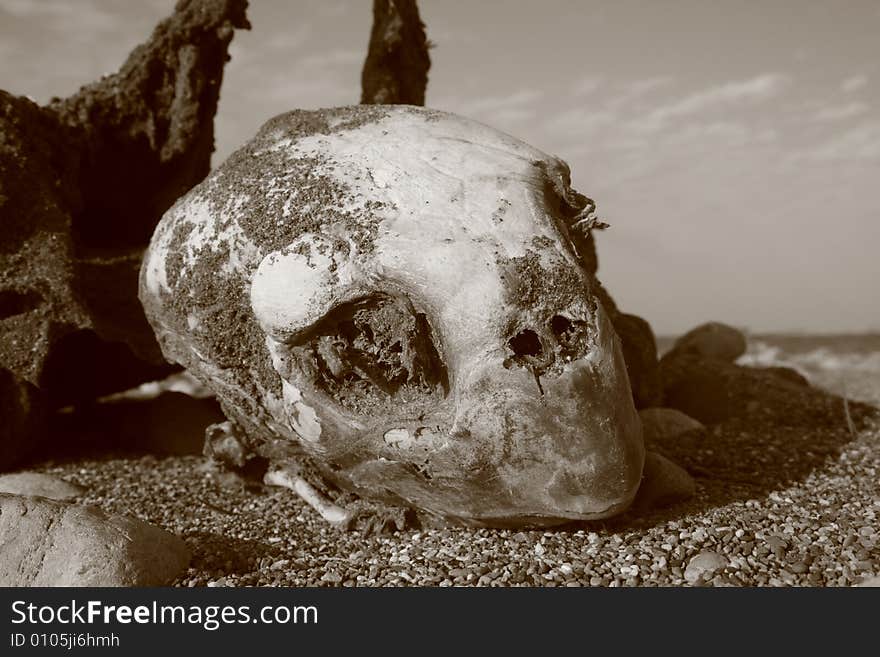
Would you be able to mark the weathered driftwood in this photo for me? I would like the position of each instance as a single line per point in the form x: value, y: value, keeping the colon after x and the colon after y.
x: 83, y: 183
x: 396, y: 68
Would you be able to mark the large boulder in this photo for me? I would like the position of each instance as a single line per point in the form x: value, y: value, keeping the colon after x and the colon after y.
x: 712, y: 340
x: 83, y: 182
x: 713, y: 390
x: 48, y: 543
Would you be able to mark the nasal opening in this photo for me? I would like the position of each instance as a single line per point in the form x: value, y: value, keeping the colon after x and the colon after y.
x: 525, y: 343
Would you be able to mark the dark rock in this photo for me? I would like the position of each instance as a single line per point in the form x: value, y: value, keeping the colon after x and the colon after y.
x: 663, y: 483
x: 636, y: 337
x: 712, y: 390
x: 787, y: 374
x: 640, y: 355
x: 83, y: 182
x: 50, y: 543
x: 712, y: 340
x: 697, y: 388
x: 396, y: 68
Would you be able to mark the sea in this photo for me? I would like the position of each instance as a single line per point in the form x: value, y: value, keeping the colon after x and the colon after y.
x: 845, y: 364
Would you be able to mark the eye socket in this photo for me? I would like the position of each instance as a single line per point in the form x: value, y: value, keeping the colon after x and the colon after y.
x: 375, y: 355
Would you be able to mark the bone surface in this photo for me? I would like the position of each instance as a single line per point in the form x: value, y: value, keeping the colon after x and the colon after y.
x: 390, y: 296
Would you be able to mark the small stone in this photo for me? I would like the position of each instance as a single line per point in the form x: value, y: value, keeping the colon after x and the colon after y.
x: 331, y: 577
x: 39, y: 484
x: 870, y: 581
x: 704, y: 563
x: 663, y: 483
x: 668, y: 426
x: 776, y: 545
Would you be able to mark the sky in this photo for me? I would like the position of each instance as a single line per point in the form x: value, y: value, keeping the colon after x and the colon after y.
x: 733, y: 146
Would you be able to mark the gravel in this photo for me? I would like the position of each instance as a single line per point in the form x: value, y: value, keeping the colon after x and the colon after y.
x: 775, y: 505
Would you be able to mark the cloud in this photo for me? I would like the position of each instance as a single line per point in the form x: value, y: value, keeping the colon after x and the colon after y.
x: 289, y: 40
x: 755, y: 89
x: 585, y: 86
x: 638, y: 89
x: 581, y: 121
x: 84, y: 16
x: 859, y: 143
x: 519, y: 105
x: 329, y: 59
x: 853, y: 83
x: 839, y: 112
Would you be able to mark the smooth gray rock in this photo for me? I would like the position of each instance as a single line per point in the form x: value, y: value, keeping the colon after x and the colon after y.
x: 48, y: 543
x: 703, y: 564
x: 870, y: 582
x: 38, y: 483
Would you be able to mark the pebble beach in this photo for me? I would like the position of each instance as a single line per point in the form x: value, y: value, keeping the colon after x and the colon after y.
x: 776, y: 505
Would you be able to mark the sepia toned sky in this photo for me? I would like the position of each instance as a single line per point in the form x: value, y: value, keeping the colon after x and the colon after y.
x: 733, y: 146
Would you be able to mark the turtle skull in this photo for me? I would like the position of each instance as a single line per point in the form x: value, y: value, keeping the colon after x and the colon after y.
x: 390, y: 294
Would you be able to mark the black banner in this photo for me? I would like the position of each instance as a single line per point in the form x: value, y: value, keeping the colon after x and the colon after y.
x: 227, y: 621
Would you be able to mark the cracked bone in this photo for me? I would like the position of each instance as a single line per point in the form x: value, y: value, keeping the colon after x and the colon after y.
x: 392, y: 297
